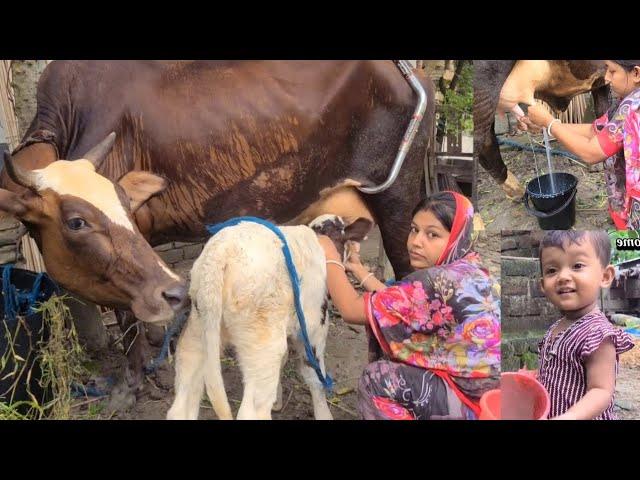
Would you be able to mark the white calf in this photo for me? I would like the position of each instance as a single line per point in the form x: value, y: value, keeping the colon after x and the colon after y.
x: 241, y: 294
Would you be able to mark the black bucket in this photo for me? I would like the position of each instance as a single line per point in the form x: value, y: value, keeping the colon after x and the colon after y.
x: 555, y: 211
x: 19, y: 338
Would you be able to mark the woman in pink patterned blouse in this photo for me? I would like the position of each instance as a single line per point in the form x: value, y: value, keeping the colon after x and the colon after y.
x: 613, y: 138
x: 439, y: 327
x: 579, y: 353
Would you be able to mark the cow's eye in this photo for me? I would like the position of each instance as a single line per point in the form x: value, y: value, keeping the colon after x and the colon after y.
x: 76, y: 223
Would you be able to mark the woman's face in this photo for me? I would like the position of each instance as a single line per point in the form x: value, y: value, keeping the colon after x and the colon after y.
x: 427, y: 240
x: 621, y: 81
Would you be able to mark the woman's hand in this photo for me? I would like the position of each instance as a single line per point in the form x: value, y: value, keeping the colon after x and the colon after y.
x: 539, y: 116
x: 526, y: 125
x: 353, y: 262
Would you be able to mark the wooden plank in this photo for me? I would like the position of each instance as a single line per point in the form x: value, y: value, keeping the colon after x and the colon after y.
x: 9, y: 121
x: 7, y: 111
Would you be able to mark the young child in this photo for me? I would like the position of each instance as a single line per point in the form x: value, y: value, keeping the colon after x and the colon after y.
x: 579, y: 353
x: 613, y: 139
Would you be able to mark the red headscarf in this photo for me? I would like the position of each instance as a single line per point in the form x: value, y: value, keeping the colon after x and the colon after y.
x: 461, y: 231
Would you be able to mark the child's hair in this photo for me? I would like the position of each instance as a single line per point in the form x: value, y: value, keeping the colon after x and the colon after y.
x: 442, y: 205
x: 598, y: 238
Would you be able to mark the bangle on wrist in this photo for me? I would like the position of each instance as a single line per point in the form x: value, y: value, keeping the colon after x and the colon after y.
x: 335, y: 262
x: 552, y: 122
x: 365, y: 279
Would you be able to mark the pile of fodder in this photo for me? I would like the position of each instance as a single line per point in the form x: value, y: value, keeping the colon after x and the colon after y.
x: 53, y: 363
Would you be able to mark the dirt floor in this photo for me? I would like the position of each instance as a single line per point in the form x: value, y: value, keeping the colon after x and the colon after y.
x: 500, y: 213
x: 346, y: 357
x: 627, y: 403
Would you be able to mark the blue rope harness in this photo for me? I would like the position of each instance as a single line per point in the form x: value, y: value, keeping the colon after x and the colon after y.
x: 16, y: 301
x: 175, y: 329
x: 327, y: 381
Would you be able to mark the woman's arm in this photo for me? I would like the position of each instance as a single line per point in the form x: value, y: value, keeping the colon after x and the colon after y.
x: 601, y: 379
x: 582, y: 129
x: 587, y: 148
x: 346, y: 299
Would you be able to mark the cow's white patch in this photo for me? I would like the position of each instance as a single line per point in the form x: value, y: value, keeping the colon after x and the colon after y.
x: 168, y: 272
x: 79, y: 178
x: 318, y: 221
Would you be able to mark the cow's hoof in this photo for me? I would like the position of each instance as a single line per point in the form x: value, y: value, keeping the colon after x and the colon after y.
x: 122, y: 399
x: 277, y: 406
x: 512, y: 187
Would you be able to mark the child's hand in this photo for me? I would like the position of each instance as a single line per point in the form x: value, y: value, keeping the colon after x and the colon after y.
x: 539, y: 116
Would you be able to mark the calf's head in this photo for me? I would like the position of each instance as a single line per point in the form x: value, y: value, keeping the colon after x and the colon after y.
x: 339, y: 232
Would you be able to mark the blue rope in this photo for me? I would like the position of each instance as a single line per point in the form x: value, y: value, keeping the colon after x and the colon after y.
x: 16, y: 301
x: 327, y: 381
x: 172, y: 331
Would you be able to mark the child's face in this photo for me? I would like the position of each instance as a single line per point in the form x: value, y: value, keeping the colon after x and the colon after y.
x: 427, y: 240
x: 621, y: 81
x: 572, y: 277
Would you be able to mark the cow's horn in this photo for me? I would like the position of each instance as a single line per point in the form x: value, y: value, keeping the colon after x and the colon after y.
x: 98, y: 153
x: 23, y: 177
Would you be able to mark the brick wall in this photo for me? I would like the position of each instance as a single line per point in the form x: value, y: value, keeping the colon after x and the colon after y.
x: 180, y: 256
x: 526, y: 313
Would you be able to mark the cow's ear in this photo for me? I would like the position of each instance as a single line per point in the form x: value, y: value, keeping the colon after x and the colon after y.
x: 141, y: 186
x: 25, y: 207
x: 358, y: 230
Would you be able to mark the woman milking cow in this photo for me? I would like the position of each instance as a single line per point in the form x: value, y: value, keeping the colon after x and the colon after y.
x: 438, y: 328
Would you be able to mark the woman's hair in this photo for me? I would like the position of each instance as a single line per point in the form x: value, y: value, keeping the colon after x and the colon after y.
x: 628, y: 65
x: 442, y: 205
x: 614, y: 103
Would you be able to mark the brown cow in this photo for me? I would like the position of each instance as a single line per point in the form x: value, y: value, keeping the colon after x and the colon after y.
x: 499, y: 85
x: 282, y: 140
x: 78, y: 217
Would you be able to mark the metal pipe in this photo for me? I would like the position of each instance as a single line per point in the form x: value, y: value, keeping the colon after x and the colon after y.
x: 412, y: 129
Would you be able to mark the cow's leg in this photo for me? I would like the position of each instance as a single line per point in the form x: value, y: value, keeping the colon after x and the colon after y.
x: 392, y: 209
x: 317, y: 333
x: 491, y: 159
x: 260, y: 351
x: 189, y: 381
x: 123, y: 395
x: 318, y: 398
x: 279, y: 402
x: 213, y: 370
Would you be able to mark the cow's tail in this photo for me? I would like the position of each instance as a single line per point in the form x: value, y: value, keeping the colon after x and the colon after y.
x: 210, y: 301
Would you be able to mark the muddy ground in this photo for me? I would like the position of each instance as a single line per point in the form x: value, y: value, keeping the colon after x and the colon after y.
x: 500, y: 213
x: 346, y: 357
x: 627, y: 400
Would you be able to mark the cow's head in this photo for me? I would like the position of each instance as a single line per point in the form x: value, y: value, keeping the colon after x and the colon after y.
x: 90, y: 244
x: 568, y: 78
x: 339, y: 232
